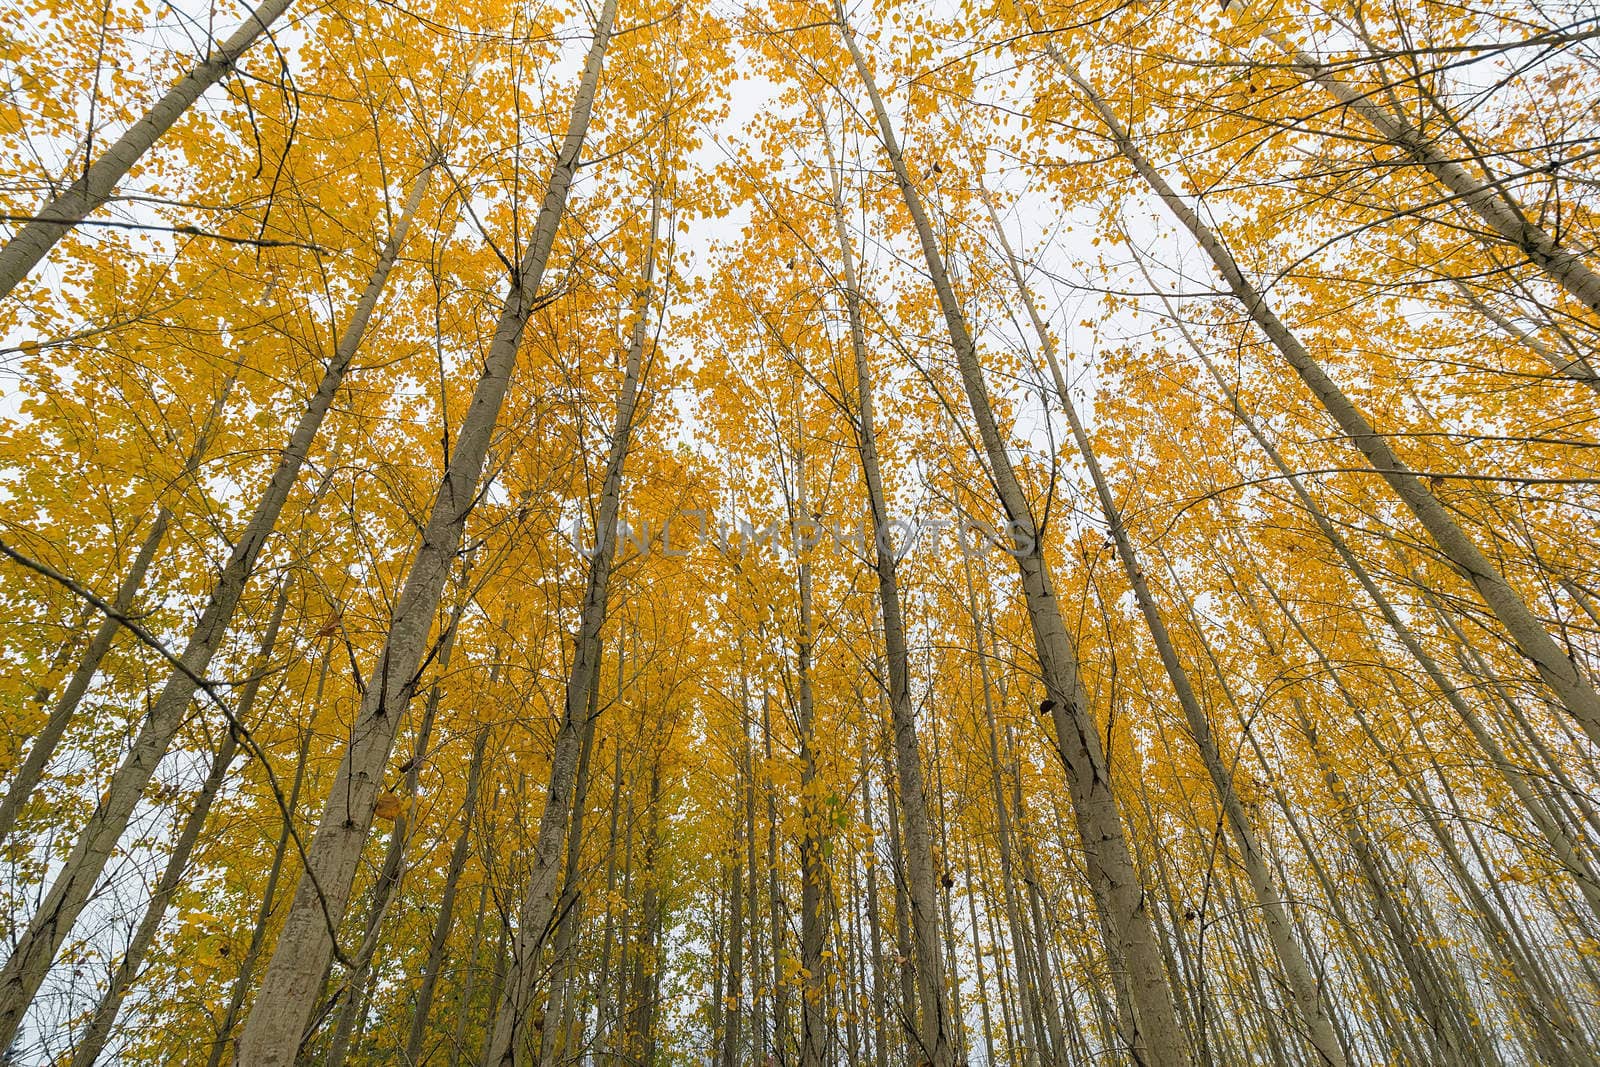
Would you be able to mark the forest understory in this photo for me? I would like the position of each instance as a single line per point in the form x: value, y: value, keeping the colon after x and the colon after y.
x: 794, y: 532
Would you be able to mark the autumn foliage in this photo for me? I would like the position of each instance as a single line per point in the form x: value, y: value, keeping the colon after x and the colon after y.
x: 792, y: 532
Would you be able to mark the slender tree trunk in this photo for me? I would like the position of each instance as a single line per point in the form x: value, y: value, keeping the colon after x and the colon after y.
x: 1333, y: 894
x: 977, y: 956
x: 904, y: 953
x: 1440, y: 1012
x: 603, y: 996
x: 1022, y: 941
x: 569, y: 918
x: 93, y: 1043
x: 734, y: 994
x: 99, y: 181
x: 627, y: 954
x: 1578, y: 368
x: 854, y: 990
x: 1307, y: 997
x: 496, y: 987
x: 1490, y: 201
x: 1531, y: 638
x: 775, y: 912
x: 1154, y: 1033
x: 535, y: 922
x: 935, y: 1021
x: 1520, y: 974
x: 290, y: 986
x: 386, y: 890
x: 1441, y: 982
x: 258, y: 933
x: 879, y: 995
x: 31, y: 772
x: 647, y: 969
x: 439, y: 942
x: 1174, y: 946
x: 468, y: 982
x: 30, y: 961
x: 758, y: 1024
x: 813, y: 1020
x: 1036, y: 935
x: 1561, y: 844
x: 719, y: 950
x: 943, y: 885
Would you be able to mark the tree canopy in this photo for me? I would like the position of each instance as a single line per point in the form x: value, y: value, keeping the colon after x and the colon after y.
x: 795, y: 532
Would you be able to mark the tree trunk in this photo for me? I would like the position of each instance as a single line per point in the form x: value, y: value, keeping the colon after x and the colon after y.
x: 780, y: 997
x: 1578, y: 368
x: 99, y: 181
x: 813, y: 1020
x: 440, y: 940
x: 386, y: 890
x: 977, y: 956
x: 290, y: 986
x: 31, y: 772
x: 94, y: 1039
x: 603, y: 997
x: 1154, y: 1033
x: 734, y: 993
x: 536, y: 919
x: 1490, y: 201
x: 1554, y: 667
x: 28, y: 964
x: 1560, y: 842
x: 1032, y: 1018
x: 1302, y: 982
x: 258, y: 934
x: 933, y: 1032
x: 752, y: 872
x: 569, y: 917
x: 879, y: 995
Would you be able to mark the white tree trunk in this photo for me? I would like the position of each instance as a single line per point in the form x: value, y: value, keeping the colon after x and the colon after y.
x: 536, y: 919
x: 305, y: 948
x: 386, y: 890
x: 30, y: 961
x: 97, y: 184
x: 935, y: 1018
x: 94, y: 1039
x: 31, y: 772
x: 1303, y: 986
x: 1490, y: 202
x: 1153, y: 1032
x: 1525, y: 790
x: 447, y: 904
x: 1531, y: 638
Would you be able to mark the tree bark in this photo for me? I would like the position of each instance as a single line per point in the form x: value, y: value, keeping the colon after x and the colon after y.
x: 1531, y: 638
x: 1154, y: 1033
x: 258, y: 933
x: 1303, y: 986
x: 536, y: 919
x: 555, y: 1042
x: 813, y: 1020
x: 93, y: 1043
x: 1561, y: 844
x: 935, y: 1021
x: 1490, y: 202
x: 28, y: 964
x: 97, y: 183
x: 386, y: 890
x: 290, y: 987
x: 439, y: 942
x: 31, y: 772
